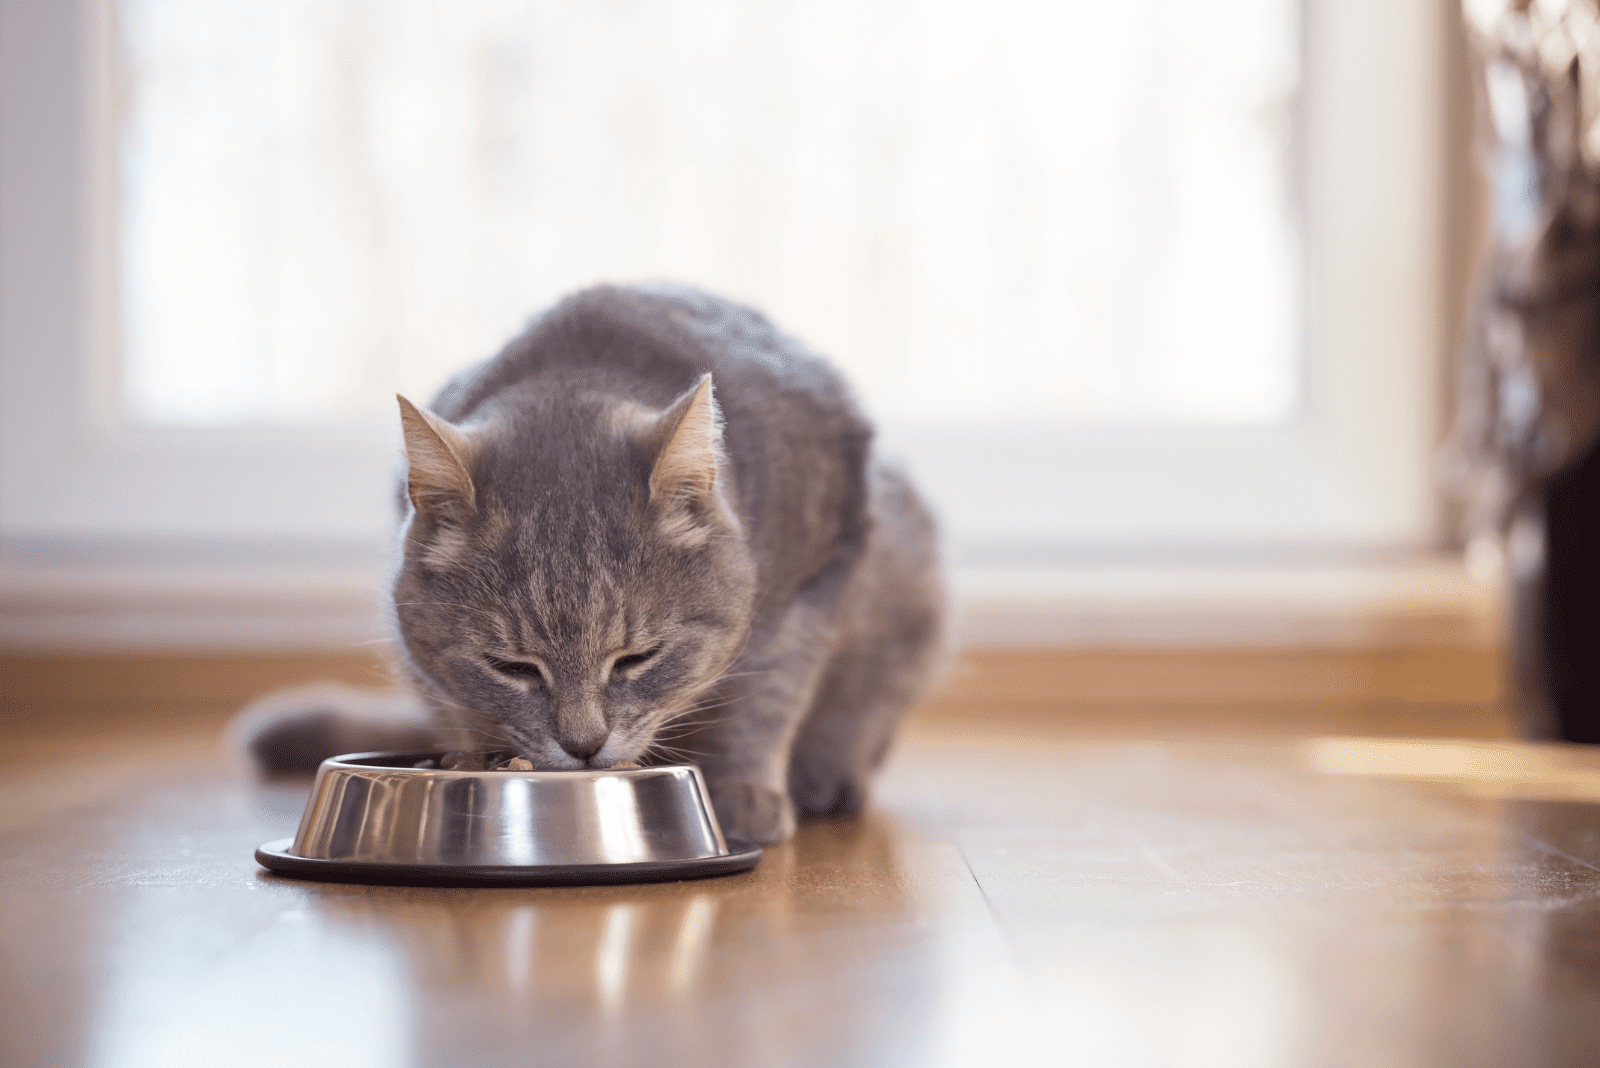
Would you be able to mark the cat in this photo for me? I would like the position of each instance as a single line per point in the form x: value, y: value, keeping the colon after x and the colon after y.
x: 653, y: 529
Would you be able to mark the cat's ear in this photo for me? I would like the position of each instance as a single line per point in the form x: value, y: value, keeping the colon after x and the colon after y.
x: 690, y: 436
x: 436, y: 454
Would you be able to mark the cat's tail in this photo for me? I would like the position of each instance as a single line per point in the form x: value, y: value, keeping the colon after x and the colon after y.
x: 291, y: 731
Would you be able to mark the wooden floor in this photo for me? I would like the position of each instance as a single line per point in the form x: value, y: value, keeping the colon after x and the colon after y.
x: 1294, y: 882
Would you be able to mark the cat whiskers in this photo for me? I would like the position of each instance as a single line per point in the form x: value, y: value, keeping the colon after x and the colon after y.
x: 673, y: 715
x: 682, y: 756
x: 661, y: 728
x: 485, y: 735
x: 737, y: 675
x: 684, y: 730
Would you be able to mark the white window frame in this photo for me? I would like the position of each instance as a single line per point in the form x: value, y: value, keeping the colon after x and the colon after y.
x: 1351, y: 472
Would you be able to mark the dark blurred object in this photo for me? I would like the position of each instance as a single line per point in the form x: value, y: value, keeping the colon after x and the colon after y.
x: 1572, y: 596
x: 291, y: 731
x: 1523, y: 450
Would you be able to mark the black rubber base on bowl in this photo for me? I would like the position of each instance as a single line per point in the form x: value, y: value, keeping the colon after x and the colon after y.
x: 276, y: 855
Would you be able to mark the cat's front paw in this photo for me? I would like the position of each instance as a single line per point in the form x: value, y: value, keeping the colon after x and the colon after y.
x: 819, y: 786
x: 752, y: 811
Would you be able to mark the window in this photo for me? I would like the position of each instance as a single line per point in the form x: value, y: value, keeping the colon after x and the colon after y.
x: 1142, y: 275
x: 985, y: 212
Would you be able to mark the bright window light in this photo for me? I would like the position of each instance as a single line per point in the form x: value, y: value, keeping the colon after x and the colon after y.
x: 998, y: 211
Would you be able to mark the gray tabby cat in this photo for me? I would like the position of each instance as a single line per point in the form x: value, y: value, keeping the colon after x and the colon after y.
x: 653, y: 528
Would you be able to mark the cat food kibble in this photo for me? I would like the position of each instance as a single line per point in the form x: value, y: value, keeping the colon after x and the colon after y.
x: 625, y: 765
x: 516, y: 764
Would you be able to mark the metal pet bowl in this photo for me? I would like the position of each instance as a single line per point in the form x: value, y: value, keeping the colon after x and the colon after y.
x: 374, y: 818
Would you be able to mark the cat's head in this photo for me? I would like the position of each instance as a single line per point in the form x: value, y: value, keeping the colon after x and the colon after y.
x: 573, y: 577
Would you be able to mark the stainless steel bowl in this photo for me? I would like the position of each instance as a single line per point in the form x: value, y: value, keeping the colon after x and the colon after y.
x: 375, y: 817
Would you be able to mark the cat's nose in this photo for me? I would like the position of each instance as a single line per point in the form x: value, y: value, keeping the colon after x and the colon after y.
x: 585, y: 747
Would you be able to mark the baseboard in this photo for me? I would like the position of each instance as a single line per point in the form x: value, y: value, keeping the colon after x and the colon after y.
x: 164, y: 595
x: 1199, y: 686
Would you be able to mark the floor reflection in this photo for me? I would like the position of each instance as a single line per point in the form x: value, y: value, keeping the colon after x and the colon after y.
x: 1559, y: 1003
x: 173, y: 999
x: 710, y: 971
x: 1130, y: 902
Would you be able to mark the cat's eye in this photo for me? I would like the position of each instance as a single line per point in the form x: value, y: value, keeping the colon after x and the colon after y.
x: 633, y: 660
x: 517, y: 669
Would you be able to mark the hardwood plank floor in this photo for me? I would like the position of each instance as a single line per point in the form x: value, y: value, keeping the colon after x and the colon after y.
x: 1025, y: 890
